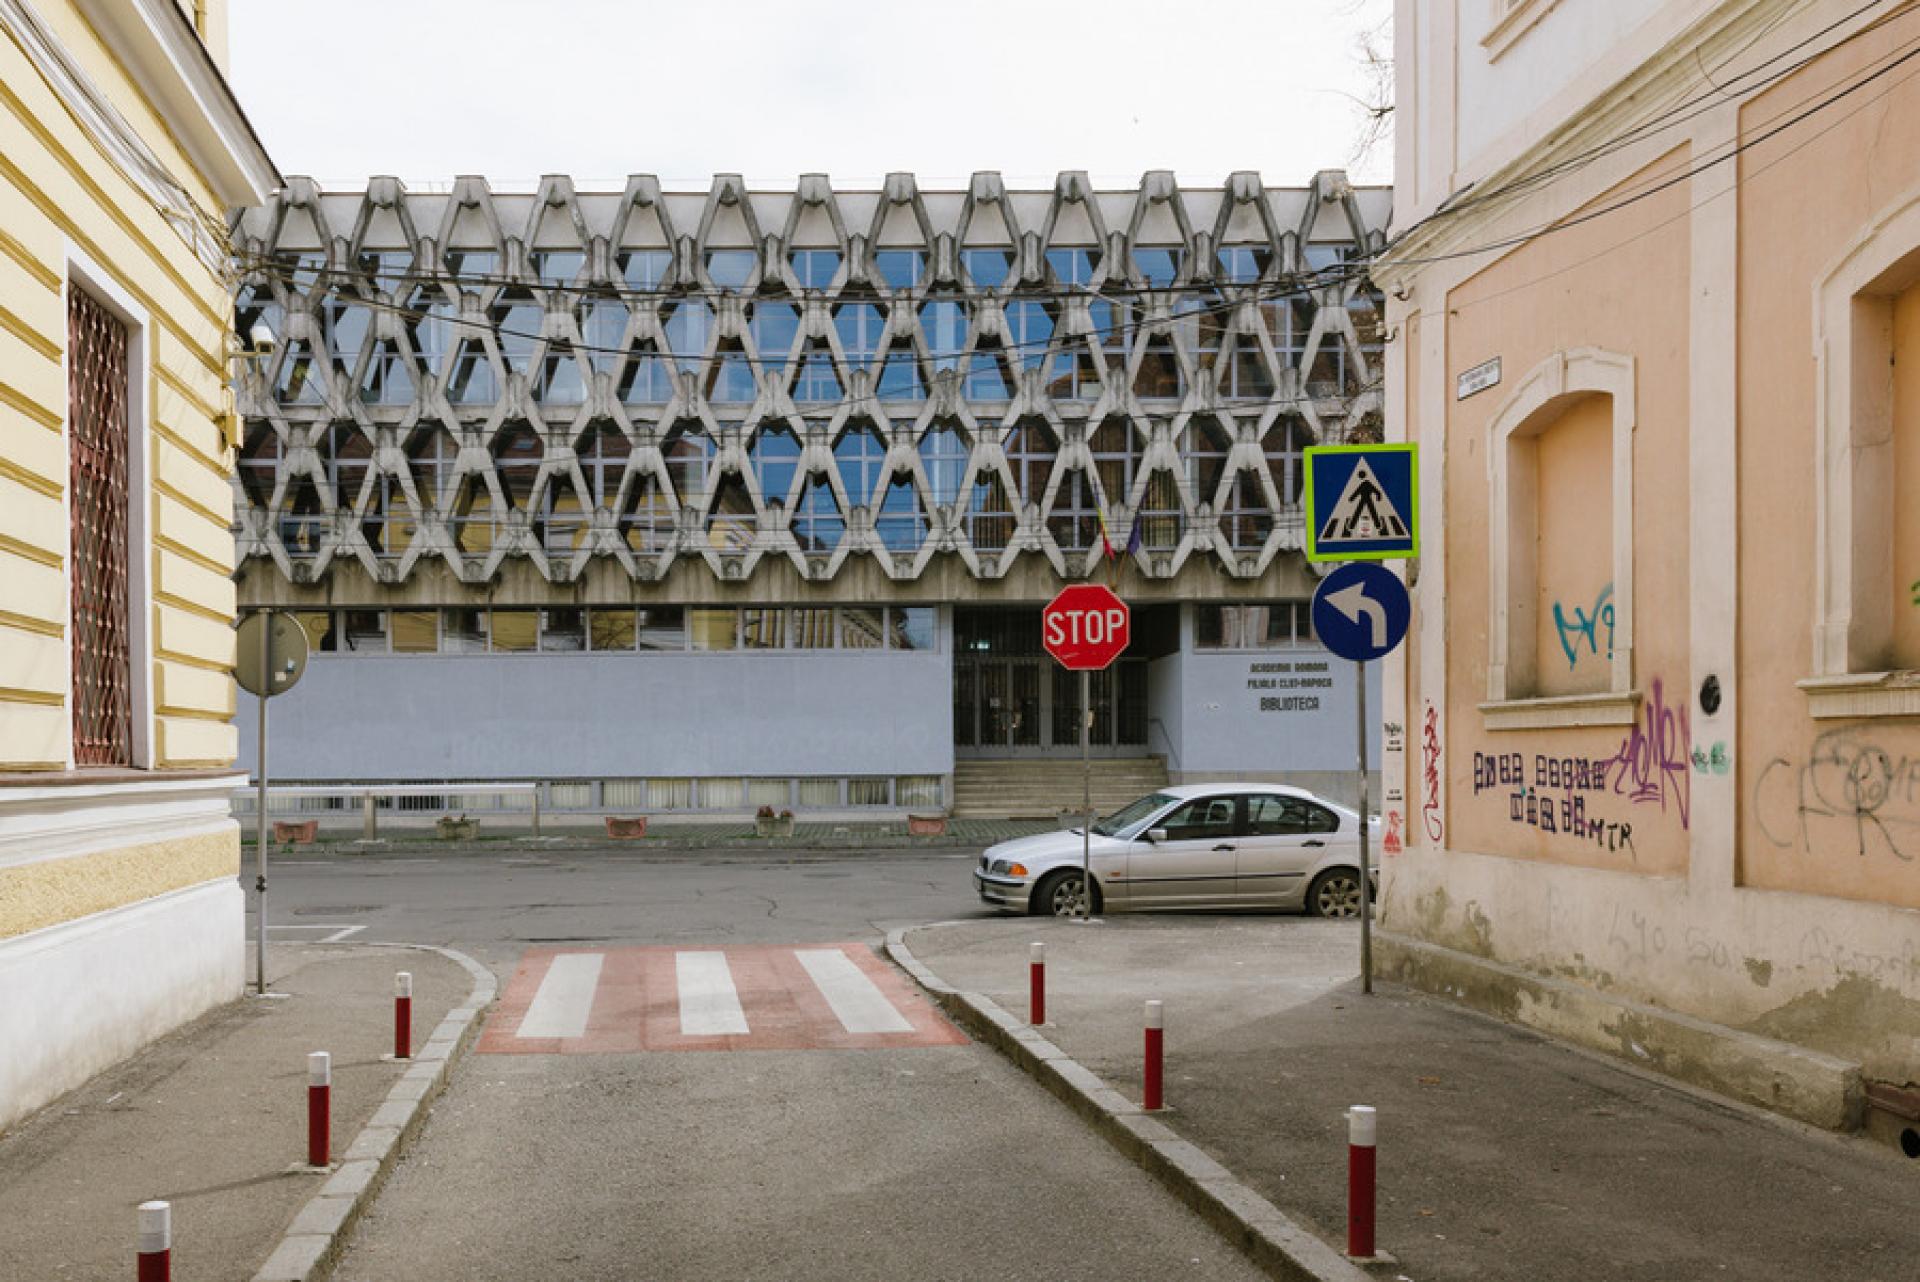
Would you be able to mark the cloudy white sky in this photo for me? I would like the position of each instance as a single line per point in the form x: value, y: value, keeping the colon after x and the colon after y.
x: 512, y: 89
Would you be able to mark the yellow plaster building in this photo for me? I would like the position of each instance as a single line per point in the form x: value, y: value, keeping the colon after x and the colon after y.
x: 121, y: 146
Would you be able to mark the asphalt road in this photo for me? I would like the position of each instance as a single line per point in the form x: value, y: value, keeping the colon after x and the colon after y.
x: 929, y: 1162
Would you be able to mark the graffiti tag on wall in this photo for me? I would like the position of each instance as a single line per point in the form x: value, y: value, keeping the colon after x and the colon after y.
x: 1581, y: 636
x: 1430, y: 774
x: 1530, y: 798
x: 1851, y: 793
x: 1651, y: 766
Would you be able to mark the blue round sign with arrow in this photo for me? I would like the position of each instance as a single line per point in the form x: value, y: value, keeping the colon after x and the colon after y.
x: 1361, y: 610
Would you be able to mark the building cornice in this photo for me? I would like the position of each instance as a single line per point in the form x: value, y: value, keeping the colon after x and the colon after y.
x: 161, y: 50
x: 1643, y: 94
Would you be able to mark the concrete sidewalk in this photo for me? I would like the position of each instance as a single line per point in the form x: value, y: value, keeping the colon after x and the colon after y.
x: 1503, y: 1157
x: 212, y: 1118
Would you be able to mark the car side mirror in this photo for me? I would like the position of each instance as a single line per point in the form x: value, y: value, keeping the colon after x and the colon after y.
x: 1156, y: 835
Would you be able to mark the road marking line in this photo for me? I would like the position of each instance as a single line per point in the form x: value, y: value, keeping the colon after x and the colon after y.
x: 565, y: 998
x: 342, y: 933
x: 709, y: 1004
x: 856, y: 1000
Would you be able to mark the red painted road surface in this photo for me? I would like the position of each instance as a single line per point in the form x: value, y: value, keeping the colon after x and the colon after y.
x: 786, y: 997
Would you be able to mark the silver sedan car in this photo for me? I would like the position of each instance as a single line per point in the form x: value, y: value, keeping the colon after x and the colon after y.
x: 1250, y: 845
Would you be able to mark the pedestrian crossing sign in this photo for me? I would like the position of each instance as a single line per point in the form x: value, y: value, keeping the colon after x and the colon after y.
x: 1362, y: 502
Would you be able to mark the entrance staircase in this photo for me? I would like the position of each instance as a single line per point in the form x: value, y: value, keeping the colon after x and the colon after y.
x: 1040, y: 789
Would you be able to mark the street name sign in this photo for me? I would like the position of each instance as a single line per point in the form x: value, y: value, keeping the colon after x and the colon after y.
x: 1360, y: 611
x: 1085, y: 627
x: 1362, y: 502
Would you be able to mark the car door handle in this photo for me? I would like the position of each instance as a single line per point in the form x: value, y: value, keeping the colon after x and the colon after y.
x: 1223, y: 846
x: 1315, y: 842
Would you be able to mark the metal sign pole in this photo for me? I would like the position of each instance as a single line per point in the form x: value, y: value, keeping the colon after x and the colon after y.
x: 260, y: 816
x: 1366, y: 873
x: 1086, y: 801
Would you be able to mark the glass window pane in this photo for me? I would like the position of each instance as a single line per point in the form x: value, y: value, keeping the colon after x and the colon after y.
x: 416, y: 631
x: 319, y: 626
x: 763, y: 629
x: 712, y: 629
x: 463, y: 632
x: 910, y: 628
x: 610, y: 629
x: 516, y: 631
x: 366, y: 631
x: 669, y: 794
x: 861, y: 629
x: 768, y: 792
x: 663, y: 629
x: 917, y: 790
x: 819, y: 794
x: 813, y: 629
x: 868, y: 792
x: 722, y: 794
x: 563, y: 629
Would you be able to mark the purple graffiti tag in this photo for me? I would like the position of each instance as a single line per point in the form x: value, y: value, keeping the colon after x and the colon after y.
x: 1430, y: 772
x: 1651, y: 765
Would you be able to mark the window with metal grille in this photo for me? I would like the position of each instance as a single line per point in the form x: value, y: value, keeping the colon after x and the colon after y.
x: 97, y: 431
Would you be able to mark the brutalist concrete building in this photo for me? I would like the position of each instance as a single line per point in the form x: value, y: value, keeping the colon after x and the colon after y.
x: 680, y: 500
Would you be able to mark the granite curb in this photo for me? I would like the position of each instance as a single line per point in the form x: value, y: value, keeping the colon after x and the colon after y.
x: 311, y: 1245
x: 1268, y: 1236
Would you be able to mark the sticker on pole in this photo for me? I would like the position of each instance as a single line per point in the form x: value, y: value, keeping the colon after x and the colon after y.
x: 1360, y: 612
x: 1362, y: 502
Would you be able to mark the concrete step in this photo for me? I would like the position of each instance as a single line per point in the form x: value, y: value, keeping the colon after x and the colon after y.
x: 1007, y: 789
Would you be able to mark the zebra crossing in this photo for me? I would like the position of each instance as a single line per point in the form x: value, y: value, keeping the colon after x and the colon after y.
x: 661, y: 998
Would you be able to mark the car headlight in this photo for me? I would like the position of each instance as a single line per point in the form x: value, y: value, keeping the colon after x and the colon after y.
x: 1009, y: 868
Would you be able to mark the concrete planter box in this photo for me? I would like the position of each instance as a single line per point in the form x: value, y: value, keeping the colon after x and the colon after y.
x: 298, y: 832
x: 461, y: 829
x: 926, y: 825
x: 772, y: 826
x: 626, y: 829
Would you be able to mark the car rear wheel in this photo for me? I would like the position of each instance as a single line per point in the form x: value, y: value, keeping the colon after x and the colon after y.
x: 1335, y: 893
x: 1059, y: 894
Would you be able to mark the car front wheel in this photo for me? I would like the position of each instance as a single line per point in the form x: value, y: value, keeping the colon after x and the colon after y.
x: 1059, y: 894
x: 1335, y: 893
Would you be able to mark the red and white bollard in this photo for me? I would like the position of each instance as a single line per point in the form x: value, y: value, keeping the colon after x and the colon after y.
x: 319, y: 1107
x: 1036, y: 984
x: 156, y: 1242
x: 403, y: 1015
x: 1361, y: 1131
x: 1156, y: 1024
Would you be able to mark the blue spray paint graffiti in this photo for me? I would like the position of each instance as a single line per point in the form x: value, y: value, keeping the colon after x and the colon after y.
x: 1582, y: 634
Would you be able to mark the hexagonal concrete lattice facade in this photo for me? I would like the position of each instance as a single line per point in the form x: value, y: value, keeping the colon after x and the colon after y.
x: 605, y: 386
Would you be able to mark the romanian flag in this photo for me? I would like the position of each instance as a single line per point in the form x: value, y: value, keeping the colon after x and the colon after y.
x: 1106, y: 543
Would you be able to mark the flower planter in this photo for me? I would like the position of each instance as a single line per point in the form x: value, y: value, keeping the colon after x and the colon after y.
x: 298, y: 832
x: 773, y: 827
x: 626, y: 829
x: 926, y: 825
x: 461, y: 829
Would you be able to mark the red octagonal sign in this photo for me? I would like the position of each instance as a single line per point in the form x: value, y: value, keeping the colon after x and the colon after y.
x: 1085, y: 627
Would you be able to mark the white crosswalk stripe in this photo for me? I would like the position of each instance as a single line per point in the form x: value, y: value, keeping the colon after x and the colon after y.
x: 709, y: 1003
x: 857, y: 1002
x: 565, y: 999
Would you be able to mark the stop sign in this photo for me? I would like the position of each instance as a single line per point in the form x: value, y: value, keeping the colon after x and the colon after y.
x: 1085, y: 627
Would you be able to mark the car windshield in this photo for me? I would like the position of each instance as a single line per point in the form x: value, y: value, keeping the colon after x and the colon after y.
x: 1134, y: 812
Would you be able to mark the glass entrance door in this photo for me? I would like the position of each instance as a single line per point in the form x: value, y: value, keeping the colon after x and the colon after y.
x: 998, y: 706
x: 1020, y: 707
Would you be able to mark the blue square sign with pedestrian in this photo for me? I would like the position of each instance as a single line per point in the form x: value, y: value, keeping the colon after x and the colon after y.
x: 1362, y: 502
